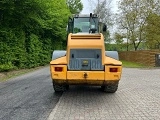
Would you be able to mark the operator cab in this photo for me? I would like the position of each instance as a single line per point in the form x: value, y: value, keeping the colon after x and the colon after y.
x: 84, y: 24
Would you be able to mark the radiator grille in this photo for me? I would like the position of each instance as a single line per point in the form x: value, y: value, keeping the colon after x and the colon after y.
x: 79, y: 56
x: 96, y: 65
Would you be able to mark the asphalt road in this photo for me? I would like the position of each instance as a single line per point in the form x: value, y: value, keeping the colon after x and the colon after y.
x: 28, y: 97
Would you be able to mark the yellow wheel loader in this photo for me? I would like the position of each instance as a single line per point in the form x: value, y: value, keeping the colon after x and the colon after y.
x: 85, y: 60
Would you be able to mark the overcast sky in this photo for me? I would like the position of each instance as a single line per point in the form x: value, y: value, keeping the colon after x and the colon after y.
x: 88, y: 7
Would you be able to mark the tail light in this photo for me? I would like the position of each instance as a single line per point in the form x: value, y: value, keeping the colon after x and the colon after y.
x: 58, y: 69
x: 113, y: 69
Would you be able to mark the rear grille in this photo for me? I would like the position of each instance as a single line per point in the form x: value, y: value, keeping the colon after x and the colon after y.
x: 85, y: 59
x: 93, y: 64
x: 74, y: 65
x: 96, y: 65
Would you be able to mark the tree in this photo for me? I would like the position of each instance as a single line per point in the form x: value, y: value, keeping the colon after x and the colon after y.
x: 118, y: 40
x: 128, y: 20
x: 75, y: 6
x: 132, y: 18
x: 103, y: 10
x: 153, y: 31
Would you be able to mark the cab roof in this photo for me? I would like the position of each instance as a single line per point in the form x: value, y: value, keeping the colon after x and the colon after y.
x: 84, y: 15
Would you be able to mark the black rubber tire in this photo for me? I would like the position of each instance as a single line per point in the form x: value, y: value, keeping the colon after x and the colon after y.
x: 60, y: 87
x: 57, y: 87
x: 110, y: 88
x: 67, y: 87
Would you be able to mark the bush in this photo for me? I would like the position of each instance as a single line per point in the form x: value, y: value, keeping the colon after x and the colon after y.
x: 6, y: 67
x: 29, y: 31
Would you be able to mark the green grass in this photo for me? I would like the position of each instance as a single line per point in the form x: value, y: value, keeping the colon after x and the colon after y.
x: 4, y: 76
x: 132, y: 64
x: 12, y: 74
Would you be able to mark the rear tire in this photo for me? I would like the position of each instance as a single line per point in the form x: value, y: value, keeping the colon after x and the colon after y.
x: 60, y: 87
x: 67, y: 87
x: 110, y: 88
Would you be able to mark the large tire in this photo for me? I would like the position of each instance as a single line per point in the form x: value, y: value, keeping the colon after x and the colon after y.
x: 110, y: 88
x: 67, y: 87
x: 59, y: 87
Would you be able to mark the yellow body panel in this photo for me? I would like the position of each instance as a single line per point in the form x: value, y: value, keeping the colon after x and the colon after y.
x: 91, y: 75
x: 58, y: 75
x: 59, y: 61
x: 113, y: 75
x: 86, y: 41
x: 111, y: 61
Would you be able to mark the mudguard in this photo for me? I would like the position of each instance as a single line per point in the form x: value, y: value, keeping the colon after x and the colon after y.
x: 112, y: 54
x: 58, y: 53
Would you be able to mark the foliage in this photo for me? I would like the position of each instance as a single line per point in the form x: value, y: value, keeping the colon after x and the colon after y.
x: 30, y: 30
x: 132, y: 19
x: 118, y: 38
x: 129, y: 64
x: 75, y: 6
x: 119, y: 41
x: 115, y: 47
x: 103, y: 10
x: 153, y: 31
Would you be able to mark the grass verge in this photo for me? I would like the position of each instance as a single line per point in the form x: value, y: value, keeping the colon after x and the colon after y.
x: 132, y: 64
x: 4, y: 76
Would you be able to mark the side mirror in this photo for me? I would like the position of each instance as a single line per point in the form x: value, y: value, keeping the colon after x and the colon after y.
x: 70, y: 20
x: 104, y: 28
x: 70, y: 25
